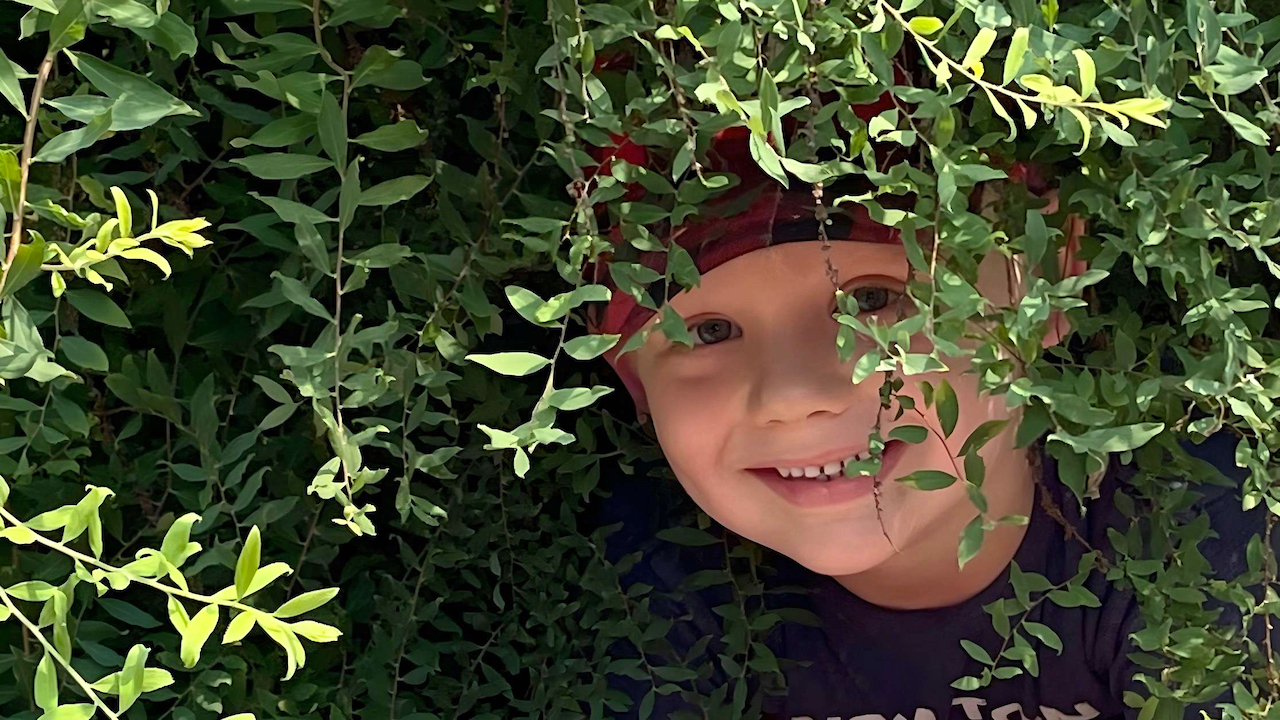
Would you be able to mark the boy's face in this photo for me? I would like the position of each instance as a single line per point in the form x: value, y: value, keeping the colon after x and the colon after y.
x: 764, y: 388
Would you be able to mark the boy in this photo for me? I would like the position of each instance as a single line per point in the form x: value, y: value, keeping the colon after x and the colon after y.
x: 757, y: 421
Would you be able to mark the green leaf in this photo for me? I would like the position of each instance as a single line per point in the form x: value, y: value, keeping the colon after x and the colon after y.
x: 928, y: 480
x: 128, y: 613
x: 976, y: 652
x: 526, y: 302
x: 293, y: 212
x: 394, y: 191
x: 511, y: 363
x: 139, y: 102
x: 349, y: 195
x: 126, y: 13
x: 68, y: 26
x: 576, y: 398
x: 72, y: 141
x: 26, y: 266
x: 98, y: 307
x: 1074, y: 596
x: 46, y: 687
x: 1245, y: 129
x: 948, y: 408
x: 281, y: 166
x: 558, y: 306
x: 197, y: 633
x: 393, y: 138
x: 9, y: 87
x: 589, y: 347
x: 1045, y: 633
x: 172, y: 33
x: 247, y: 564
x: 1117, y: 439
x: 280, y: 133
x: 674, y: 327
x: 305, y: 602
x: 970, y: 540
x: 299, y: 295
x: 981, y: 435
x: 84, y: 353
x: 913, y: 434
x: 333, y: 130
x: 968, y: 682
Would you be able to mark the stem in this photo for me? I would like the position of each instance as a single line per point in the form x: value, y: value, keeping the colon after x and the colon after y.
x: 1273, y: 678
x: 337, y: 272
x: 54, y: 654
x: 28, y: 139
x: 413, y: 610
x: 59, y: 547
x: 311, y: 531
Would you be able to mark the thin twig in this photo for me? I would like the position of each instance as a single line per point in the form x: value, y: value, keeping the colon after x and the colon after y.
x: 53, y: 652
x: 28, y: 140
x: 186, y: 189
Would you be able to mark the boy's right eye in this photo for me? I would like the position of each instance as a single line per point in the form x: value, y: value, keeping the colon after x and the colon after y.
x: 713, y: 331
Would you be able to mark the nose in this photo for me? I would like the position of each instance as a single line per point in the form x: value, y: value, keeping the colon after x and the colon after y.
x: 799, y: 374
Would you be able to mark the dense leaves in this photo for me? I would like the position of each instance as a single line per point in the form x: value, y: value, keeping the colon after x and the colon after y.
x: 293, y: 290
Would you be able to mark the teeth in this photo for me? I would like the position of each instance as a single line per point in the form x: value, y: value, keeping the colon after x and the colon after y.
x: 820, y: 473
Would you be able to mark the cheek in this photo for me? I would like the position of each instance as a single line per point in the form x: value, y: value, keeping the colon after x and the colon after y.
x: 692, y: 422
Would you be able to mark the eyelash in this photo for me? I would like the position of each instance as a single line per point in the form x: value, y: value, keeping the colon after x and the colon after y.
x: 892, y: 295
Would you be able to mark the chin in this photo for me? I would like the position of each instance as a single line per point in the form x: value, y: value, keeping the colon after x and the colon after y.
x: 836, y: 561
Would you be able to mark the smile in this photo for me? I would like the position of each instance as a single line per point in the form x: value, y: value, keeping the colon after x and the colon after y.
x: 829, y: 486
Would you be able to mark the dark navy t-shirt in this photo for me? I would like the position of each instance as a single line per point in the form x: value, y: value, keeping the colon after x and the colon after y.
x: 873, y: 663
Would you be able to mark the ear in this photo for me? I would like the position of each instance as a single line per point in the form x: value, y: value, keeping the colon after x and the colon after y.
x: 1069, y: 265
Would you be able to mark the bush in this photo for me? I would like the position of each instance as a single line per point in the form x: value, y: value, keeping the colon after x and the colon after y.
x: 263, y: 258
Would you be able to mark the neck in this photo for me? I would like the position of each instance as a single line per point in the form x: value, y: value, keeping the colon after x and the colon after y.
x: 928, y: 575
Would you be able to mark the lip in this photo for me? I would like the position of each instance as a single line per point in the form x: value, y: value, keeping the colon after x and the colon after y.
x: 818, y: 460
x: 811, y: 494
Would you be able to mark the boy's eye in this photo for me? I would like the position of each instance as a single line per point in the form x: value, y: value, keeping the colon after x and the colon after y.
x: 710, y: 332
x: 871, y: 298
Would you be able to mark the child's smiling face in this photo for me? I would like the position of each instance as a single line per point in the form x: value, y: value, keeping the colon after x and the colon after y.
x: 764, y: 387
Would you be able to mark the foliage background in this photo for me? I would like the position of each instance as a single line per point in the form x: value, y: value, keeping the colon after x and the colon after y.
x: 306, y: 373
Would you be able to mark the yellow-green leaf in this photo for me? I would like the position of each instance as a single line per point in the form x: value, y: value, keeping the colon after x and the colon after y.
x: 247, y: 564
x: 197, y: 633
x: 239, y: 626
x: 925, y: 24
x: 1084, y: 126
x: 979, y: 48
x: 305, y: 602
x: 510, y: 363
x: 1088, y: 72
x: 131, y: 677
x: 46, y: 687
x: 124, y: 213
x: 1017, y: 51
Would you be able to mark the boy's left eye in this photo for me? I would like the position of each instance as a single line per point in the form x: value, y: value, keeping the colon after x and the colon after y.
x: 871, y: 298
x: 713, y: 331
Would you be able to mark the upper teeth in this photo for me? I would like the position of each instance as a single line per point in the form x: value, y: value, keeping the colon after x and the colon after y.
x: 813, y: 471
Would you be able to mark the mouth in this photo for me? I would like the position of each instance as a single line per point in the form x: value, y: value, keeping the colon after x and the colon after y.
x: 822, y: 471
x: 828, y: 486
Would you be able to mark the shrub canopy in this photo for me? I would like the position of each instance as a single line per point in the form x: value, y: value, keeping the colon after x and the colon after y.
x: 294, y: 289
